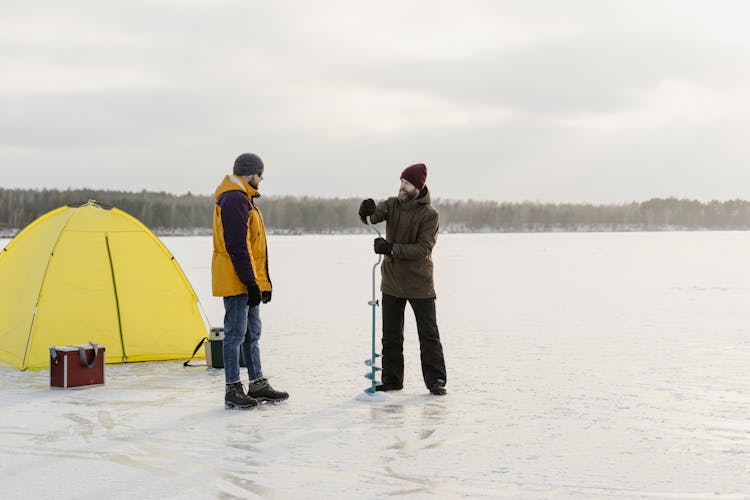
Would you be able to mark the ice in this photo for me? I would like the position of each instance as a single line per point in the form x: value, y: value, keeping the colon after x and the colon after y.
x: 602, y: 365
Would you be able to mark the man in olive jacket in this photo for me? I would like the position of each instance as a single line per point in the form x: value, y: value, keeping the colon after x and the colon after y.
x: 410, y: 233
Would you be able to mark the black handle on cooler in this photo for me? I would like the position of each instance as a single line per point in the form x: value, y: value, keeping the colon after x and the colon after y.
x: 84, y: 358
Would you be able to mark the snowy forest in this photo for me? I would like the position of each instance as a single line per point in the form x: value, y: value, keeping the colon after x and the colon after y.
x: 167, y: 213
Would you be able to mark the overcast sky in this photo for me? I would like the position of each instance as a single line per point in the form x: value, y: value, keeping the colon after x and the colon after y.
x: 561, y: 101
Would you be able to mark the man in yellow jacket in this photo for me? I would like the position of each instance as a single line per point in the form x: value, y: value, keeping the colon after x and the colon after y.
x: 239, y: 274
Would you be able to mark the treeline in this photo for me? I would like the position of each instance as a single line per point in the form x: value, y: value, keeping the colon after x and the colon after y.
x: 19, y: 207
x: 657, y: 214
x: 191, y: 214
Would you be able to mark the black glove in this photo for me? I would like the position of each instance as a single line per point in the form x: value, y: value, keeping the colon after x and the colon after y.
x: 367, y: 208
x: 253, y: 295
x: 265, y: 297
x: 383, y: 247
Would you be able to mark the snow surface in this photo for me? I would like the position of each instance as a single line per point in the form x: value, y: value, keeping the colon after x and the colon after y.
x: 604, y: 365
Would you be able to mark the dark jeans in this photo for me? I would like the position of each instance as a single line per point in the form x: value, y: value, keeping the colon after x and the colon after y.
x: 431, y: 350
x: 242, y: 327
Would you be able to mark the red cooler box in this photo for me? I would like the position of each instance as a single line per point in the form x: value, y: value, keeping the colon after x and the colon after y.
x: 76, y: 365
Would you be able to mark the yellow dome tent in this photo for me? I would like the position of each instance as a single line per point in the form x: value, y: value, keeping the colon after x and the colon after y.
x: 90, y: 272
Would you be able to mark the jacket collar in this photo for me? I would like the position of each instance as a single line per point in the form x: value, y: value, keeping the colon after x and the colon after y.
x: 246, y: 187
x: 236, y: 183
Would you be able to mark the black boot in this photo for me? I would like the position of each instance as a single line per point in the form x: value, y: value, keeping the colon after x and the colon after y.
x: 235, y: 397
x: 438, y: 388
x: 387, y: 386
x: 262, y: 391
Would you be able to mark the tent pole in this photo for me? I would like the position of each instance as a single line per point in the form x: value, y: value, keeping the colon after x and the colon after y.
x: 117, y: 299
x: 41, y: 285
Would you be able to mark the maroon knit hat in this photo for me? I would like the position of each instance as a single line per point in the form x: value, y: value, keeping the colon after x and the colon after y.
x: 416, y: 174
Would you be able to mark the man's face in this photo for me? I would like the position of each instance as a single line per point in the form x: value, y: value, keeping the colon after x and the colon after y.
x: 254, y: 180
x: 407, y: 191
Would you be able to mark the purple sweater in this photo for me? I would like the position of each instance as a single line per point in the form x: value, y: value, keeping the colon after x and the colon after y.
x: 235, y: 210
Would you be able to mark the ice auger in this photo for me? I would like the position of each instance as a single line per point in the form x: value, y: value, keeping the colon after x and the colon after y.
x: 370, y: 394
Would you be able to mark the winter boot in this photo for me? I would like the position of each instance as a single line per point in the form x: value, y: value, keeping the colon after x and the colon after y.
x: 388, y: 386
x: 235, y: 397
x: 438, y: 388
x: 262, y: 391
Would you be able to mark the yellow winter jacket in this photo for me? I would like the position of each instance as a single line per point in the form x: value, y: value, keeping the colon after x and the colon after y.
x: 240, y: 256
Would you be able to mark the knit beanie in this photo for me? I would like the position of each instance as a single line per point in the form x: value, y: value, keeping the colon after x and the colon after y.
x: 416, y: 174
x: 248, y: 164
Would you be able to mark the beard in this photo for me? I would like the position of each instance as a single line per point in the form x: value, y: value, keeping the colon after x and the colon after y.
x: 404, y: 196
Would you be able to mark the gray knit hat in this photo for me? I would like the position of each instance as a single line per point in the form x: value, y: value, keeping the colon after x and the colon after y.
x: 248, y: 164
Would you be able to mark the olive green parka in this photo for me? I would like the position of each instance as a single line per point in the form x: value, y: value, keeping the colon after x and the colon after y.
x: 412, y: 228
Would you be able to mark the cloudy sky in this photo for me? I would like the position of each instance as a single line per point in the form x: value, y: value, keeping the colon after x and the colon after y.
x: 598, y: 101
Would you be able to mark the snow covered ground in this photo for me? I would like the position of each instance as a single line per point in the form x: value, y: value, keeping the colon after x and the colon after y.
x: 605, y: 365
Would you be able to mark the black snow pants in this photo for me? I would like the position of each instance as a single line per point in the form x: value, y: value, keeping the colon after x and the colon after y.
x: 431, y: 350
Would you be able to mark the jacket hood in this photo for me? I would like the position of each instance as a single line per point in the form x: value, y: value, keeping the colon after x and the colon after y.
x: 423, y: 197
x: 235, y: 183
